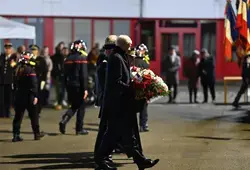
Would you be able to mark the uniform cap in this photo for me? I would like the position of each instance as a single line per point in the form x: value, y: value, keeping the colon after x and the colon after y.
x: 132, y: 52
x: 8, y: 45
x: 34, y: 47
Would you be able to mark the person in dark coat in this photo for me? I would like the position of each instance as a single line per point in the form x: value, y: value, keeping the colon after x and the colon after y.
x: 102, y: 63
x: 26, y: 86
x: 76, y: 79
x: 140, y: 62
x: 7, y: 67
x: 61, y: 53
x: 207, y: 75
x: 172, y: 64
x: 192, y: 74
x: 41, y: 70
x: 245, y: 80
x: 116, y: 103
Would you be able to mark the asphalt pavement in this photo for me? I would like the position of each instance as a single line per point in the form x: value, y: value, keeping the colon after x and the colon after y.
x: 183, y: 136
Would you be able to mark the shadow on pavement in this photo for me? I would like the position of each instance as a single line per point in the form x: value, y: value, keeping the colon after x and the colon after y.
x: 9, y: 131
x: 92, y: 124
x: 208, y: 137
x: 58, y: 160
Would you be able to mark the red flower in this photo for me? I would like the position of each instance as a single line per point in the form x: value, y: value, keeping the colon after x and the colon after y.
x: 134, y: 69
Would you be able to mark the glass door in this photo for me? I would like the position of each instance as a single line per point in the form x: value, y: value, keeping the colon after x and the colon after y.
x: 185, y: 42
x: 167, y: 40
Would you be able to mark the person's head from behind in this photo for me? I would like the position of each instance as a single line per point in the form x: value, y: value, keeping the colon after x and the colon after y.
x: 21, y: 49
x: 124, y: 42
x: 65, y: 51
x: 61, y: 45
x: 97, y: 45
x: 45, y: 51
x: 8, y: 48
x: 110, y: 44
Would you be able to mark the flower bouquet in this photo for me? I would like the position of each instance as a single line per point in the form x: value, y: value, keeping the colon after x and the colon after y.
x: 147, y: 85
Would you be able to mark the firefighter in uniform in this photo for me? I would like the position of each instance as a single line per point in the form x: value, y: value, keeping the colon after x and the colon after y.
x: 142, y: 61
x: 76, y: 77
x: 41, y: 70
x: 7, y: 67
x: 26, y: 97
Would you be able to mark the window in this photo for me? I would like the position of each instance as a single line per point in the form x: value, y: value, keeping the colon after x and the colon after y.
x: 188, y: 44
x: 122, y: 27
x: 17, y: 42
x: 102, y: 30
x: 38, y: 24
x: 62, y: 31
x: 208, y: 35
x: 148, y: 37
x: 178, y: 23
x: 83, y: 31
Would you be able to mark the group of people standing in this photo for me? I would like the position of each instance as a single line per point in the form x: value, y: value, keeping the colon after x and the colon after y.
x: 198, y: 69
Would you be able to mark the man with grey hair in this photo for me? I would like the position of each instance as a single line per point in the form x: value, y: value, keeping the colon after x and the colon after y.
x: 117, y: 99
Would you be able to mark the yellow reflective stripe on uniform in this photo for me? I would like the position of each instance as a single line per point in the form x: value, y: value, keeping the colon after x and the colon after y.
x: 32, y: 63
x: 83, y: 53
x: 147, y: 59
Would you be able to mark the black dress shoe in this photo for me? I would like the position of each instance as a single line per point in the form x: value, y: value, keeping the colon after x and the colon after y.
x: 82, y: 132
x: 109, y: 159
x: 62, y: 128
x: 39, y: 136
x: 147, y: 163
x: 144, y: 129
x: 104, y: 166
x: 17, y: 138
x: 236, y: 105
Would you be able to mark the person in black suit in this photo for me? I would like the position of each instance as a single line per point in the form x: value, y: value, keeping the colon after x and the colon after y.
x: 7, y: 67
x: 207, y: 75
x: 102, y: 63
x: 117, y: 101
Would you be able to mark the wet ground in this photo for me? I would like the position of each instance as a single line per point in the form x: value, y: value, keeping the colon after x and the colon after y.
x: 184, y: 136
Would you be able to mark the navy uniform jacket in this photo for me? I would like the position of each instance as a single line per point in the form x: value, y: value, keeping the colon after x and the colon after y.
x: 6, y: 70
x: 76, y: 71
x: 102, y: 64
x: 41, y: 68
x: 26, y: 83
x: 139, y: 62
